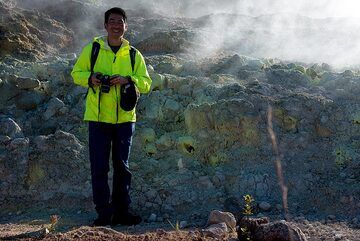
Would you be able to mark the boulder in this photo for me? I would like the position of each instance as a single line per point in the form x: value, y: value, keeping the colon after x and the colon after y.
x: 24, y: 83
x: 59, y: 161
x: 265, y: 206
x: 147, y: 135
x: 261, y: 229
x: 53, y: 107
x: 13, y: 164
x: 218, y: 231
x: 10, y: 128
x: 173, y: 41
x: 217, y: 217
x: 288, y: 78
x: 29, y: 100
x: 165, y: 142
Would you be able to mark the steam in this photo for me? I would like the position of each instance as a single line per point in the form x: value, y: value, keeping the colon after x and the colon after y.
x: 322, y: 31
x: 306, y: 31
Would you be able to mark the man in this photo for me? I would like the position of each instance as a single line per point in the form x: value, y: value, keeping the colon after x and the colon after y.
x: 110, y: 126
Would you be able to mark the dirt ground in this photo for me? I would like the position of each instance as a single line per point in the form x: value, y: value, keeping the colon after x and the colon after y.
x: 20, y: 226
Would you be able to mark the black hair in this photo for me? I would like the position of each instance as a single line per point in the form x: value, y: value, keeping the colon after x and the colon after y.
x: 119, y: 11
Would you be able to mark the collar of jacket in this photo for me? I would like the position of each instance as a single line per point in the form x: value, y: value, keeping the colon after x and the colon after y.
x: 102, y: 40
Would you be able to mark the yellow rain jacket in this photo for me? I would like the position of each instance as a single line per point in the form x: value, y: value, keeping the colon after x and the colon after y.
x: 108, y: 109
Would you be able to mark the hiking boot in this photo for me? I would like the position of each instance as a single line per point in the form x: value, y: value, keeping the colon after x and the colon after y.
x: 125, y: 218
x: 102, y: 221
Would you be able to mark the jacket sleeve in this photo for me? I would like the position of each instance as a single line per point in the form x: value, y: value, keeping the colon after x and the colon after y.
x: 81, y: 70
x: 141, y: 76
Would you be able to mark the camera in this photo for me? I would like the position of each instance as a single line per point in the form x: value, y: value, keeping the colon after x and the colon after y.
x: 105, y: 82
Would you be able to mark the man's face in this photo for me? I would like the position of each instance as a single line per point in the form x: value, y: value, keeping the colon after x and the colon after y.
x: 116, y: 26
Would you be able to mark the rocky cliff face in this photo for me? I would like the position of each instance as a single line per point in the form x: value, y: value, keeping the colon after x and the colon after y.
x: 201, y: 139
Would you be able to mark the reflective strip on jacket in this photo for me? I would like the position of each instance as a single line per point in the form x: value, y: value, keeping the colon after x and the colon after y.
x: 109, y: 63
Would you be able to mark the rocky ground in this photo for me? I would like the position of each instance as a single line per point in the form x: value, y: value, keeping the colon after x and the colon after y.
x: 76, y: 227
x: 202, y: 137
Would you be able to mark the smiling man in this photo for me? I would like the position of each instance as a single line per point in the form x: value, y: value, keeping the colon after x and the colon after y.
x: 110, y: 110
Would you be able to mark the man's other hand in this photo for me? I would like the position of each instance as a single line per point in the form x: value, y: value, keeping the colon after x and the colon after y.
x: 118, y: 79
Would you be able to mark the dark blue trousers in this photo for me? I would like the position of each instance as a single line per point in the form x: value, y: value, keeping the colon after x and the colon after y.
x: 103, y: 138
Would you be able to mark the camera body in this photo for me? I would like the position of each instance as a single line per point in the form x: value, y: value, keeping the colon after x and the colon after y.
x: 105, y: 82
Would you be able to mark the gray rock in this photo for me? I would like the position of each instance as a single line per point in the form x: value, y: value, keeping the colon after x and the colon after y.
x: 183, y: 224
x: 28, y: 100
x: 4, y: 139
x: 67, y: 139
x: 152, y: 218
x: 165, y: 142
x: 287, y: 77
x: 53, y: 107
x: 167, y: 42
x: 78, y: 91
x: 148, y: 135
x: 19, y: 143
x: 172, y: 105
x: 265, y: 206
x: 41, y: 143
x: 8, y: 93
x: 24, y: 83
x: 217, y: 217
x: 10, y: 128
x: 338, y: 236
x: 218, y: 231
x: 262, y: 229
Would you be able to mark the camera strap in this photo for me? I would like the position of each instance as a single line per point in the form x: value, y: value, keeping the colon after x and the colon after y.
x: 94, y: 54
x: 132, y: 57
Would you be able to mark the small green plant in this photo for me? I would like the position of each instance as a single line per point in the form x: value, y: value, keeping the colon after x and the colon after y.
x: 248, y: 202
x: 54, y: 219
x: 245, y: 232
x: 176, y: 227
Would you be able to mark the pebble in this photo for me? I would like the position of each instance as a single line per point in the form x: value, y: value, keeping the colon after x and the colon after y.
x: 355, y: 220
x: 338, y: 237
x: 265, y: 206
x: 152, y: 218
x: 183, y: 224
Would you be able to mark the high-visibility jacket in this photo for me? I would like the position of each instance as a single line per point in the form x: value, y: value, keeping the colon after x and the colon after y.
x: 105, y: 107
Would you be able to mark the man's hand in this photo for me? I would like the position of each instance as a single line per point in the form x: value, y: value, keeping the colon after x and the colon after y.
x: 95, y: 81
x: 118, y: 79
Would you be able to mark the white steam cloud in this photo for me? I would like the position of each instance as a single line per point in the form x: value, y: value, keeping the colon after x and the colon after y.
x: 197, y: 8
x: 304, y: 30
